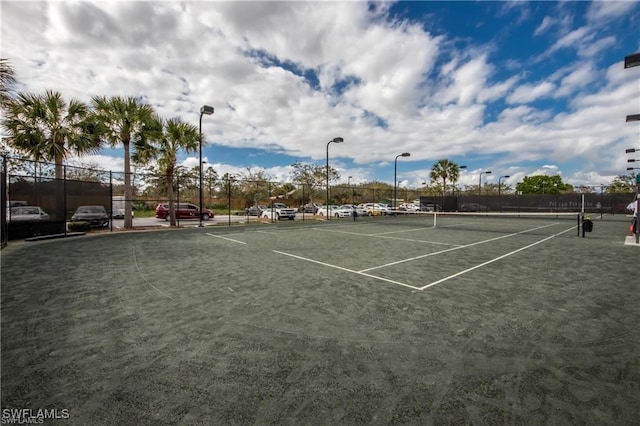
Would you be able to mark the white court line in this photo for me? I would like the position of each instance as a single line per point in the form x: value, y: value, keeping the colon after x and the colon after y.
x: 496, y: 259
x: 386, y: 236
x: 422, y: 228
x: 345, y: 269
x: 457, y: 248
x: 225, y: 238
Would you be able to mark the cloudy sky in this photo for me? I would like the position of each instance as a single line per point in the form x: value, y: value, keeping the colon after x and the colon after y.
x: 518, y: 88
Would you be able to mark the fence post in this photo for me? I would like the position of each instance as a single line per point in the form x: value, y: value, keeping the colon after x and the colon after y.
x: 3, y: 198
x: 64, y: 197
x: 111, y: 201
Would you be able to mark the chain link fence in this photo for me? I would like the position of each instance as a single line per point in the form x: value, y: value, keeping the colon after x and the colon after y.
x: 61, y: 192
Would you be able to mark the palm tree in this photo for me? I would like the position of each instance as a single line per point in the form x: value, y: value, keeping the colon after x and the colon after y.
x: 173, y: 136
x: 7, y: 80
x: 46, y: 127
x: 122, y: 121
x: 446, y: 170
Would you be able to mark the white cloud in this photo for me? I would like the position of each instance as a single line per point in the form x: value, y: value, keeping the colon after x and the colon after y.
x: 545, y: 25
x: 607, y: 10
x: 574, y: 38
x: 385, y: 85
x: 530, y: 92
x: 581, y: 77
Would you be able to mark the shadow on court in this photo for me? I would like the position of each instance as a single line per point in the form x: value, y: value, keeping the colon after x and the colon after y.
x: 324, y: 324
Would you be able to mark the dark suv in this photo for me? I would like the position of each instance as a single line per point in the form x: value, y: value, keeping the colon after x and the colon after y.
x: 183, y: 211
x: 95, y: 215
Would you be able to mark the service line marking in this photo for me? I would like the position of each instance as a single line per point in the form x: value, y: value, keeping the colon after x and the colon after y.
x: 422, y: 228
x: 496, y: 259
x: 457, y: 248
x: 225, y: 238
x: 345, y: 269
x: 388, y: 237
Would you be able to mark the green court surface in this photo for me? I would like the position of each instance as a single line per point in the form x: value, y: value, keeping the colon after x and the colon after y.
x: 340, y: 322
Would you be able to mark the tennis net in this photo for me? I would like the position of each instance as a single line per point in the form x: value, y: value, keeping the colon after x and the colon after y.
x: 568, y: 223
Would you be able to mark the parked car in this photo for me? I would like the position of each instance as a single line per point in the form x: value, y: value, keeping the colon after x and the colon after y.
x: 26, y: 214
x: 254, y: 210
x: 183, y: 211
x: 309, y: 208
x: 407, y: 207
x: 335, y: 211
x: 279, y: 211
x: 117, y: 207
x: 96, y: 216
x: 355, y: 209
x: 375, y: 209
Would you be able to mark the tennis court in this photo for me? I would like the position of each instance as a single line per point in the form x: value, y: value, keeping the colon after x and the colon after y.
x: 374, y: 321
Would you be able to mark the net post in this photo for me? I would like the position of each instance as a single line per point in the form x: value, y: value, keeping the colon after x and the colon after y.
x: 578, y: 227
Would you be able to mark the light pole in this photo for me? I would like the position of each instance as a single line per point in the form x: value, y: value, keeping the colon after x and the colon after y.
x: 395, y: 173
x: 637, y: 212
x: 488, y: 172
x: 208, y: 110
x: 334, y: 140
x: 349, y: 183
x: 453, y: 190
x: 631, y: 61
x: 499, y: 182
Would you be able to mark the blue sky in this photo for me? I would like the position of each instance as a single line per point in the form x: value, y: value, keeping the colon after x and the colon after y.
x: 518, y: 88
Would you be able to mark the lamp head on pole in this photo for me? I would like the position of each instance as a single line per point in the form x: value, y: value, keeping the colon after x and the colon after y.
x: 337, y: 140
x: 629, y: 150
x: 488, y: 172
x: 405, y: 154
x: 632, y: 60
x: 462, y: 167
x: 206, y: 109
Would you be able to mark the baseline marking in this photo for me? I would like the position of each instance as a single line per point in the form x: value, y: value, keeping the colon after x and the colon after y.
x: 496, y: 259
x: 225, y: 238
x: 345, y: 269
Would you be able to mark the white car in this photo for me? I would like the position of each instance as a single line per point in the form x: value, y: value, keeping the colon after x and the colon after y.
x: 355, y: 209
x: 278, y: 213
x: 26, y: 214
x: 333, y: 210
x: 407, y: 207
x: 375, y: 209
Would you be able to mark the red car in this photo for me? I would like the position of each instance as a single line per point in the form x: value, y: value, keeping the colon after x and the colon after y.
x: 183, y: 211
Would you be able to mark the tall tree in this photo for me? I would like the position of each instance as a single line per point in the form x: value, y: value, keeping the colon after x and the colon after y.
x: 445, y: 170
x: 542, y: 184
x: 7, y: 81
x: 47, y: 128
x: 623, y: 184
x: 123, y: 120
x: 312, y: 176
x: 210, y: 176
x: 170, y: 137
x: 254, y: 186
